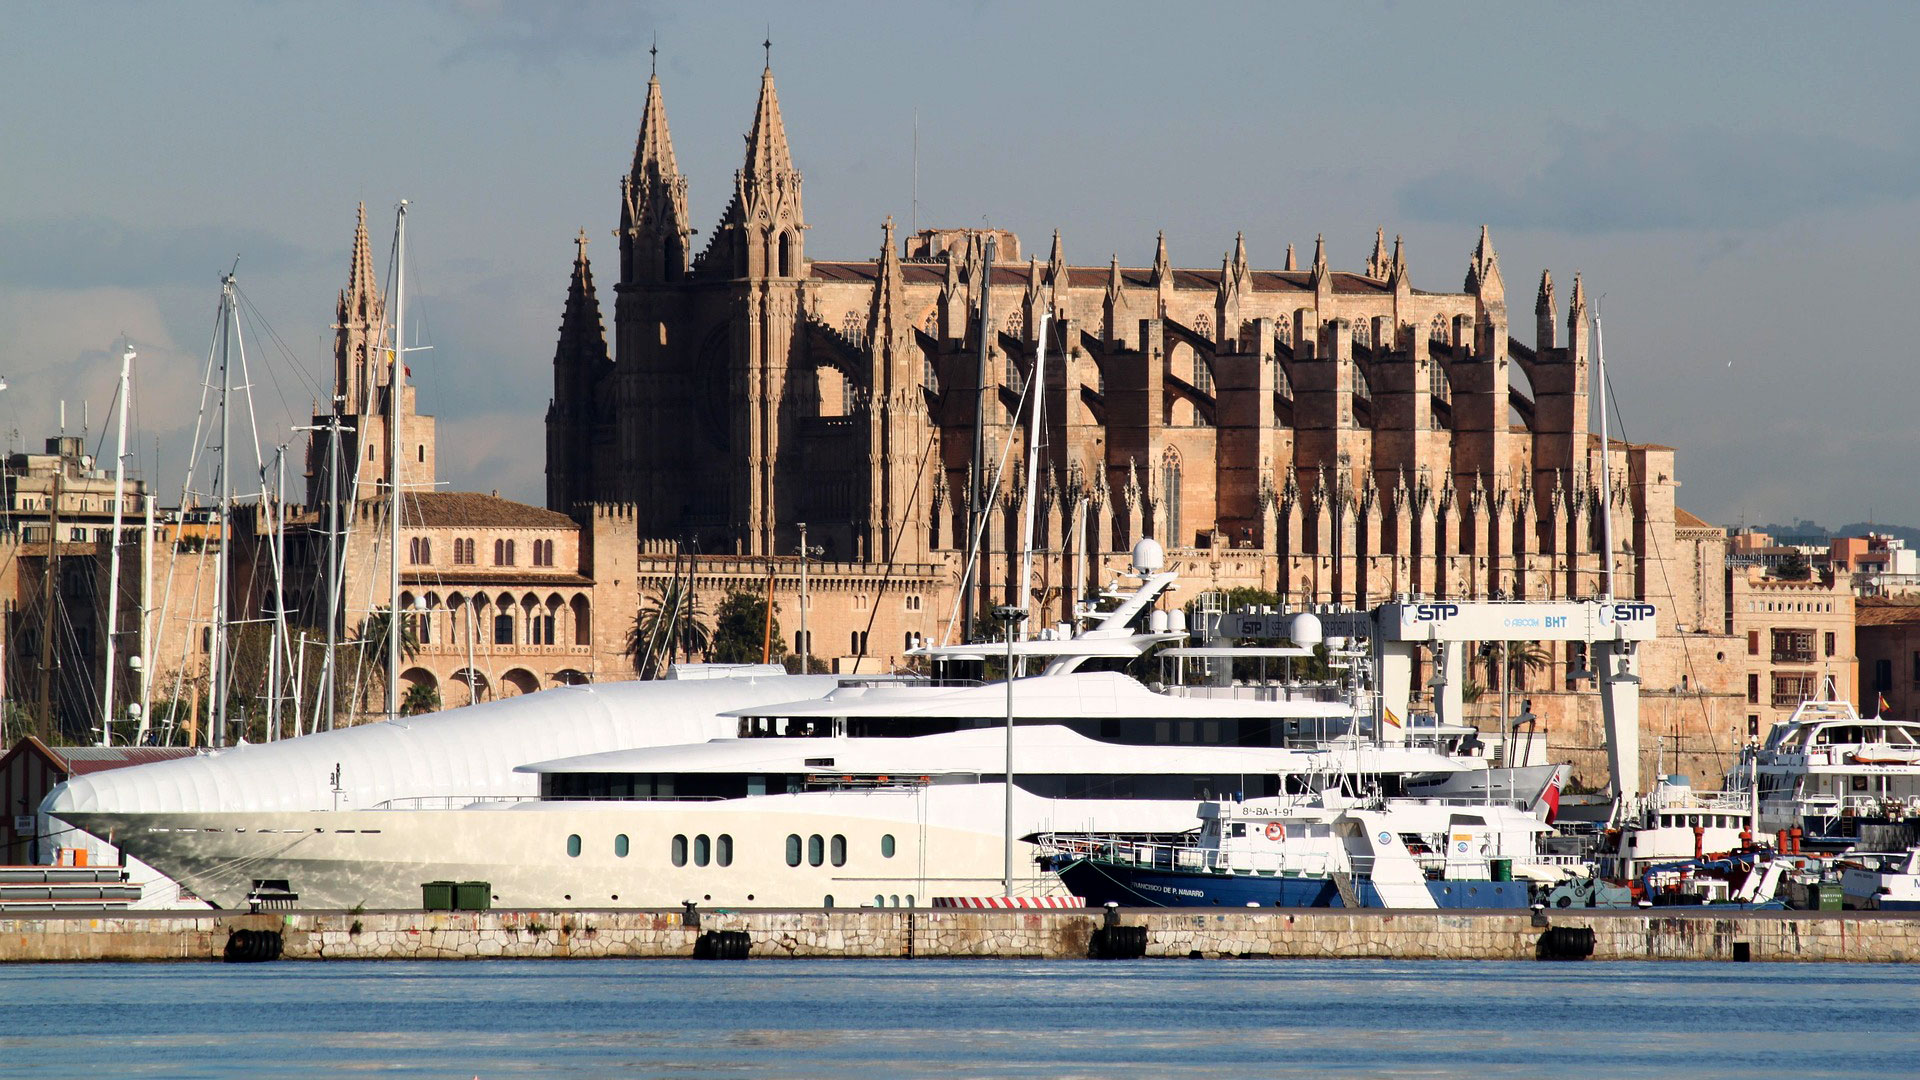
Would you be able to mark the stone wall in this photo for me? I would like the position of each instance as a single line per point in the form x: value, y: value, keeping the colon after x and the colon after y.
x: 1630, y: 935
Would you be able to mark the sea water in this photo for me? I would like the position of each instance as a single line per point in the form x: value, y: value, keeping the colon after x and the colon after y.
x: 955, y: 1018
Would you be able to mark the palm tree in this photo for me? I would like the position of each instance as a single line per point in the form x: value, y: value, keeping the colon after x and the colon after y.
x: 373, y: 637
x: 1524, y: 658
x: 420, y: 698
x: 669, y: 624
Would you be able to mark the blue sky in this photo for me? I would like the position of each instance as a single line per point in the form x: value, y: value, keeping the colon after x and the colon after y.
x: 1740, y: 182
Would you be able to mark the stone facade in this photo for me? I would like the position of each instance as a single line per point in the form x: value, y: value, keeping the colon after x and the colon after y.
x: 1888, y: 639
x: 1796, y: 636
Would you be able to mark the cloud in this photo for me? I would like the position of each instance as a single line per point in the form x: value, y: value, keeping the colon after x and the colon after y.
x: 539, y: 33
x: 96, y: 252
x: 1624, y: 178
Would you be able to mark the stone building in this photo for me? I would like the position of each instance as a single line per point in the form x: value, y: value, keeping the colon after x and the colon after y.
x: 499, y: 598
x: 1888, y: 633
x: 1337, y: 436
x: 1796, y: 636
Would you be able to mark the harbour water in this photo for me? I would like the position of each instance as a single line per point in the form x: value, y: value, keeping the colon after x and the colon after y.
x: 927, y: 1018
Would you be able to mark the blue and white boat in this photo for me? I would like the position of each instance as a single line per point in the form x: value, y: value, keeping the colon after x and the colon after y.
x: 1402, y: 853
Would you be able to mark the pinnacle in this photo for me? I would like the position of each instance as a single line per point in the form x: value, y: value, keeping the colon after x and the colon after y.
x: 767, y: 153
x: 653, y: 150
x: 1292, y: 263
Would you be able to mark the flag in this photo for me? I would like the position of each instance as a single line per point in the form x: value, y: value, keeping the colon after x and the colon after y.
x: 1387, y: 714
x: 1883, y: 705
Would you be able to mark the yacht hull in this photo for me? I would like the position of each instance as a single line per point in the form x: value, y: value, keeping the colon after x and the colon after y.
x: 1133, y: 886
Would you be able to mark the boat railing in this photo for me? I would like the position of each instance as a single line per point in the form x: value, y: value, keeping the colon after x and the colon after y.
x: 447, y: 802
x: 1186, y: 857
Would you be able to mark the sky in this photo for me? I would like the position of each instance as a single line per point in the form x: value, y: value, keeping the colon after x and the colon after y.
x: 1739, y: 183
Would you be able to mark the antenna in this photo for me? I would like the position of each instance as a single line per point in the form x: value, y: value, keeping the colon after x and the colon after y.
x: 913, y: 216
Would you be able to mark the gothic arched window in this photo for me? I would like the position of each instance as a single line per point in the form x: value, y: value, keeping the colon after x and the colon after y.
x: 786, y: 254
x: 1203, y: 325
x: 1170, y: 497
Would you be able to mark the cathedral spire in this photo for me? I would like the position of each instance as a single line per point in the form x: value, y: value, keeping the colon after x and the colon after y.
x: 768, y: 158
x: 1161, y: 268
x: 359, y: 317
x: 1377, y: 264
x: 1319, y: 257
x: 766, y: 201
x: 1292, y: 263
x: 1543, y: 312
x: 1398, y: 268
x: 654, y: 224
x: 1240, y: 267
x: 1113, y: 275
x: 889, y: 328
x: 580, y: 366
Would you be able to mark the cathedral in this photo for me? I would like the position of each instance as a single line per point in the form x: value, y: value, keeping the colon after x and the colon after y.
x: 1337, y: 436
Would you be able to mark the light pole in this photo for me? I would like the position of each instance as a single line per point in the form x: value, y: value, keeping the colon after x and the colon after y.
x: 1010, y: 618
x: 806, y: 641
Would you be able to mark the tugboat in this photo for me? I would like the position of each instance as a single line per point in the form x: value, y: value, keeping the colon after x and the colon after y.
x: 1374, y: 853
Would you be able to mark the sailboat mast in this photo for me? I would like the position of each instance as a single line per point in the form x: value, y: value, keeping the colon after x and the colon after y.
x: 977, y: 470
x: 395, y: 382
x: 113, y: 561
x: 146, y: 612
x: 1037, y: 390
x: 1606, y: 455
x: 223, y: 493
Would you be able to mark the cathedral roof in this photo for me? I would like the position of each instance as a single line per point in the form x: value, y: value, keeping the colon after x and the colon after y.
x: 1095, y: 277
x: 653, y: 150
x: 1683, y: 519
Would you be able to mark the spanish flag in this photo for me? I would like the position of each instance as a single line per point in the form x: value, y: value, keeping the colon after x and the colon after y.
x: 1387, y: 714
x: 1883, y: 706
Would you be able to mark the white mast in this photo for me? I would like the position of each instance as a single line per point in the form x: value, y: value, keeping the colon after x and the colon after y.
x: 1037, y: 389
x: 146, y: 611
x: 223, y: 490
x: 1606, y: 454
x: 113, y: 573
x: 395, y: 382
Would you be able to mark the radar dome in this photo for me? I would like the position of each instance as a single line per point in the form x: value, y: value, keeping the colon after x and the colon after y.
x: 1148, y: 555
x: 1306, y: 629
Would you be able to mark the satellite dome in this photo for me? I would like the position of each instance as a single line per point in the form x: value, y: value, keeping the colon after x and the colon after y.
x: 1148, y: 555
x: 1306, y: 629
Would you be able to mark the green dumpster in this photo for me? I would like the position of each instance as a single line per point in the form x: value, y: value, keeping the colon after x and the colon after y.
x: 436, y: 896
x: 1502, y: 869
x: 473, y: 896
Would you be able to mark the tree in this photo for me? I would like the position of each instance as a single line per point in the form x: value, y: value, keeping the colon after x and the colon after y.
x: 667, y: 625
x: 740, y: 629
x: 373, y: 637
x: 420, y: 698
x: 1793, y: 567
x: 1524, y: 659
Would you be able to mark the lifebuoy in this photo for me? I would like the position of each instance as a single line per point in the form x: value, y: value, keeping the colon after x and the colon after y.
x: 1275, y: 830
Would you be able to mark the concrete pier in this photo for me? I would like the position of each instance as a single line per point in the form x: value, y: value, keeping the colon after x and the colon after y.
x: 415, y: 935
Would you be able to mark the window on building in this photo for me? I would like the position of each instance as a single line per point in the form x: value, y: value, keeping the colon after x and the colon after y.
x: 800, y: 644
x: 543, y: 553
x: 1753, y: 726
x: 463, y: 552
x: 857, y: 646
x: 1790, y: 688
x: 1793, y: 646
x: 1916, y: 666
x: 1753, y: 643
x: 420, y: 551
x: 1830, y: 643
x: 1170, y: 533
x: 503, y: 629
x: 1883, y: 673
x: 540, y: 630
x: 1202, y: 374
x: 503, y: 553
x: 913, y: 601
x: 1753, y: 689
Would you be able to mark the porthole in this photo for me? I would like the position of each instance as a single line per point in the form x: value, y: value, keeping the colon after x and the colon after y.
x: 573, y: 845
x: 793, y: 849
x: 839, y: 850
x: 723, y: 850
x: 829, y: 901
x: 816, y: 850
x: 886, y: 846
x: 679, y: 851
x: 620, y: 845
x: 702, y: 850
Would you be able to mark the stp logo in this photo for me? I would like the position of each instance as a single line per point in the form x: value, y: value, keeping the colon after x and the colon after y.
x: 1434, y: 612
x: 1632, y: 612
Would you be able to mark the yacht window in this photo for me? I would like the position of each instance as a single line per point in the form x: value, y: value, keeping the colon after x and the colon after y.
x: 679, y: 851
x: 793, y: 849
x: 909, y: 899
x: 828, y: 902
x: 816, y: 850
x: 702, y: 850
x: 886, y: 846
x: 573, y: 846
x: 839, y: 850
x: 1239, y: 828
x: 620, y: 845
x: 879, y: 901
x: 723, y: 850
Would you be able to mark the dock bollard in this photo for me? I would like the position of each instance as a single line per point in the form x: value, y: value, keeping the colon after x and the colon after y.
x: 691, y: 917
